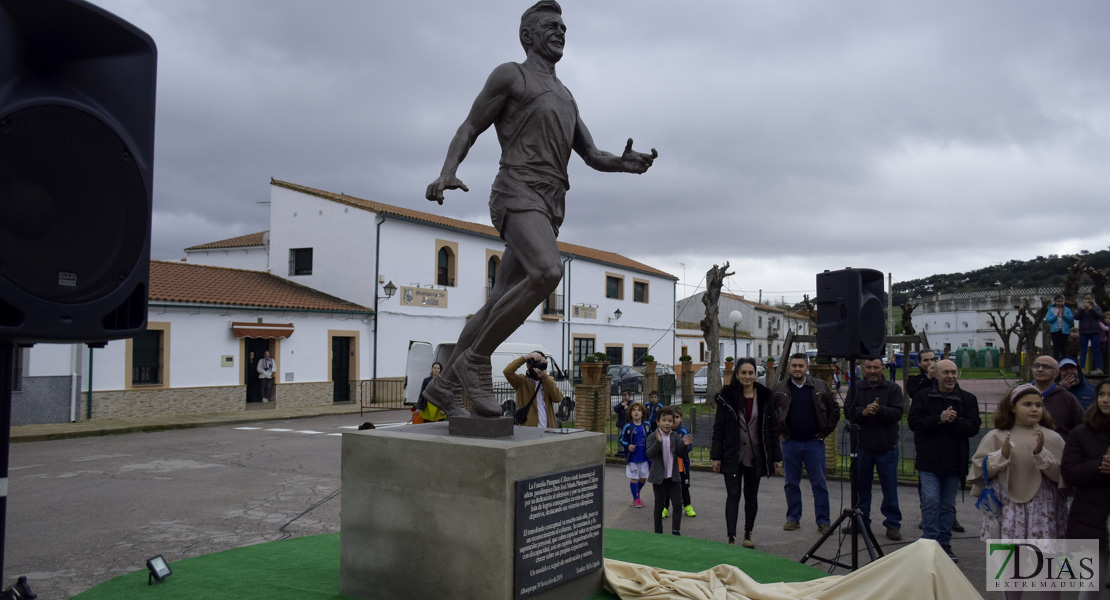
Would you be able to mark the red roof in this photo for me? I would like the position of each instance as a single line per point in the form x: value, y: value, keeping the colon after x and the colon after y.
x: 201, y: 284
x: 243, y: 241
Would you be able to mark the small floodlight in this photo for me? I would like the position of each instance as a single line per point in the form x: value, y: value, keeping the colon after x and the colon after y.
x: 159, y: 570
x: 19, y: 591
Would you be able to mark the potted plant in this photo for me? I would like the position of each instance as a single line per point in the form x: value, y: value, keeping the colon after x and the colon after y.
x: 649, y: 363
x: 728, y: 368
x: 591, y: 369
x: 687, y: 362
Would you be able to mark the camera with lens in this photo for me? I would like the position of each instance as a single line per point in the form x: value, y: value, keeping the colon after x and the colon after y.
x: 542, y: 365
x: 536, y: 364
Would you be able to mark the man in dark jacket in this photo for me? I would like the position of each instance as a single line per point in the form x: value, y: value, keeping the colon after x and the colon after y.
x: 1090, y: 333
x: 876, y: 405
x: 927, y: 362
x: 1071, y: 377
x: 944, y: 417
x: 806, y: 413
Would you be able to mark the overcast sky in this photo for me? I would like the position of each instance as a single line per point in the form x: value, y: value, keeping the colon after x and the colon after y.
x: 910, y: 137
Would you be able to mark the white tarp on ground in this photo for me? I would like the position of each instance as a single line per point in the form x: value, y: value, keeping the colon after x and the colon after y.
x: 918, y: 571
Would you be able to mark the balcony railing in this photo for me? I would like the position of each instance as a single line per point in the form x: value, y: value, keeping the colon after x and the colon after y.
x: 553, y: 305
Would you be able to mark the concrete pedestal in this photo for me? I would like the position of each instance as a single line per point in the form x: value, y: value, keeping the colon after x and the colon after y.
x: 428, y: 515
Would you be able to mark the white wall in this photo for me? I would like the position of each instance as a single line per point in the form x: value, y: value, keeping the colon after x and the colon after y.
x: 341, y: 237
x: 253, y: 258
x: 960, y: 328
x: 50, y: 360
x: 199, y: 340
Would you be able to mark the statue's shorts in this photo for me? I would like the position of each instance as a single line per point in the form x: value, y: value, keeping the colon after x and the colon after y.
x: 520, y: 190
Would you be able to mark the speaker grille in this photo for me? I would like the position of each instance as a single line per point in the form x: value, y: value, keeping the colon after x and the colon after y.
x: 73, y: 206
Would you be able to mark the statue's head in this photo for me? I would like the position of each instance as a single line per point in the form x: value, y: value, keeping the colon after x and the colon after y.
x: 534, y: 16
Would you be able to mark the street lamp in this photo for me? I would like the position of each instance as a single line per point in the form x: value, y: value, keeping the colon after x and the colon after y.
x: 735, y: 316
x: 389, y: 290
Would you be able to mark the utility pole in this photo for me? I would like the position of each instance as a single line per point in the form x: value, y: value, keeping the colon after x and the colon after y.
x: 890, y: 315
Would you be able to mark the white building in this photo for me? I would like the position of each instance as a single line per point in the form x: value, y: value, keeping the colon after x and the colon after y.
x: 961, y: 320
x: 249, y: 251
x: 443, y: 269
x: 306, y: 291
x: 760, y: 332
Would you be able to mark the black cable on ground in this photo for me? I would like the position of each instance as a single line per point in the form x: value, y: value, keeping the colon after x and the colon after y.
x: 286, y: 534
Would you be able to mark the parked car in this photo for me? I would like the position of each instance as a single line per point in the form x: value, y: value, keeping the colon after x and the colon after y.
x: 701, y: 378
x: 624, y: 378
x: 660, y: 369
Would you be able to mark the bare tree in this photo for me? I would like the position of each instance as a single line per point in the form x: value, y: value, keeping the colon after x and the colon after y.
x: 710, y: 327
x: 998, y: 323
x: 1099, y: 280
x: 907, y: 318
x: 809, y: 308
x: 1071, y: 283
x: 1031, y: 323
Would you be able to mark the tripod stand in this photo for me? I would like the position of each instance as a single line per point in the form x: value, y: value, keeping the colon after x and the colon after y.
x: 852, y: 515
x: 20, y: 590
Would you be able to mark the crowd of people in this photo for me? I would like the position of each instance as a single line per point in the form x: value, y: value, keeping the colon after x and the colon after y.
x: 1044, y: 445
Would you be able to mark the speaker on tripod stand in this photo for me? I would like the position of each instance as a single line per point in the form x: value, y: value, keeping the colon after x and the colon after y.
x: 77, y: 89
x: 851, y: 321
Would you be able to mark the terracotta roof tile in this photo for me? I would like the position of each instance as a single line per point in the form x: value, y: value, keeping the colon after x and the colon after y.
x: 243, y: 241
x: 201, y: 284
x: 611, y: 258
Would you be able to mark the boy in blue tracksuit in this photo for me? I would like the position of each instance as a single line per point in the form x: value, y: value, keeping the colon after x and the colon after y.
x: 633, y: 440
x: 651, y: 411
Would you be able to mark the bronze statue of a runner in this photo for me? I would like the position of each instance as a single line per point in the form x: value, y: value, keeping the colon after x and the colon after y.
x: 537, y: 125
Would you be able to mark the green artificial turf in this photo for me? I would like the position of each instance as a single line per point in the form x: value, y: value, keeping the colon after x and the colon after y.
x: 308, y: 568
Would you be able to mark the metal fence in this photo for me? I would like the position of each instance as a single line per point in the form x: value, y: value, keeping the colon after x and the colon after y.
x: 390, y: 394
x: 698, y: 418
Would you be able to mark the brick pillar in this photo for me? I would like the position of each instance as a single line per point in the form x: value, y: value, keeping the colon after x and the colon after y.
x: 687, y: 379
x: 825, y: 373
x: 651, y: 383
x: 591, y: 407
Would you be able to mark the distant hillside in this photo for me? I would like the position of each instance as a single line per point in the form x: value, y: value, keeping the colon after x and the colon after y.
x: 1041, y: 271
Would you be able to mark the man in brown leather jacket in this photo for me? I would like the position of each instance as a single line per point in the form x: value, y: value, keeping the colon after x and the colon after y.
x: 807, y: 413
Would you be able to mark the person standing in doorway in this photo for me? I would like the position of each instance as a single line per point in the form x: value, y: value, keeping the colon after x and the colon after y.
x: 266, y: 375
x: 251, y: 374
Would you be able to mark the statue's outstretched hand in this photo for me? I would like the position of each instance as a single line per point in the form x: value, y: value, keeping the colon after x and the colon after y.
x: 636, y: 162
x: 444, y: 182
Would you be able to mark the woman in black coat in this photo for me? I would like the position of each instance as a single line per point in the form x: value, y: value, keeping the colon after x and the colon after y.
x: 1086, y: 467
x: 745, y: 445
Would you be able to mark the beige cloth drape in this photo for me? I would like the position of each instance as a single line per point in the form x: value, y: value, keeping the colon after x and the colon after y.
x: 918, y: 571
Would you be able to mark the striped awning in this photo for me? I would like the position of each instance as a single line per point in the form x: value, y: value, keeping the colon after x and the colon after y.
x: 262, y: 330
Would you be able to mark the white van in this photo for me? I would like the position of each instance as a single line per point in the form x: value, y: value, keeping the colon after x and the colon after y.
x: 422, y: 354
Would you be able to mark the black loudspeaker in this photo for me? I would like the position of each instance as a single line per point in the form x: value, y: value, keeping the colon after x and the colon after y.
x: 851, y: 313
x: 77, y: 88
